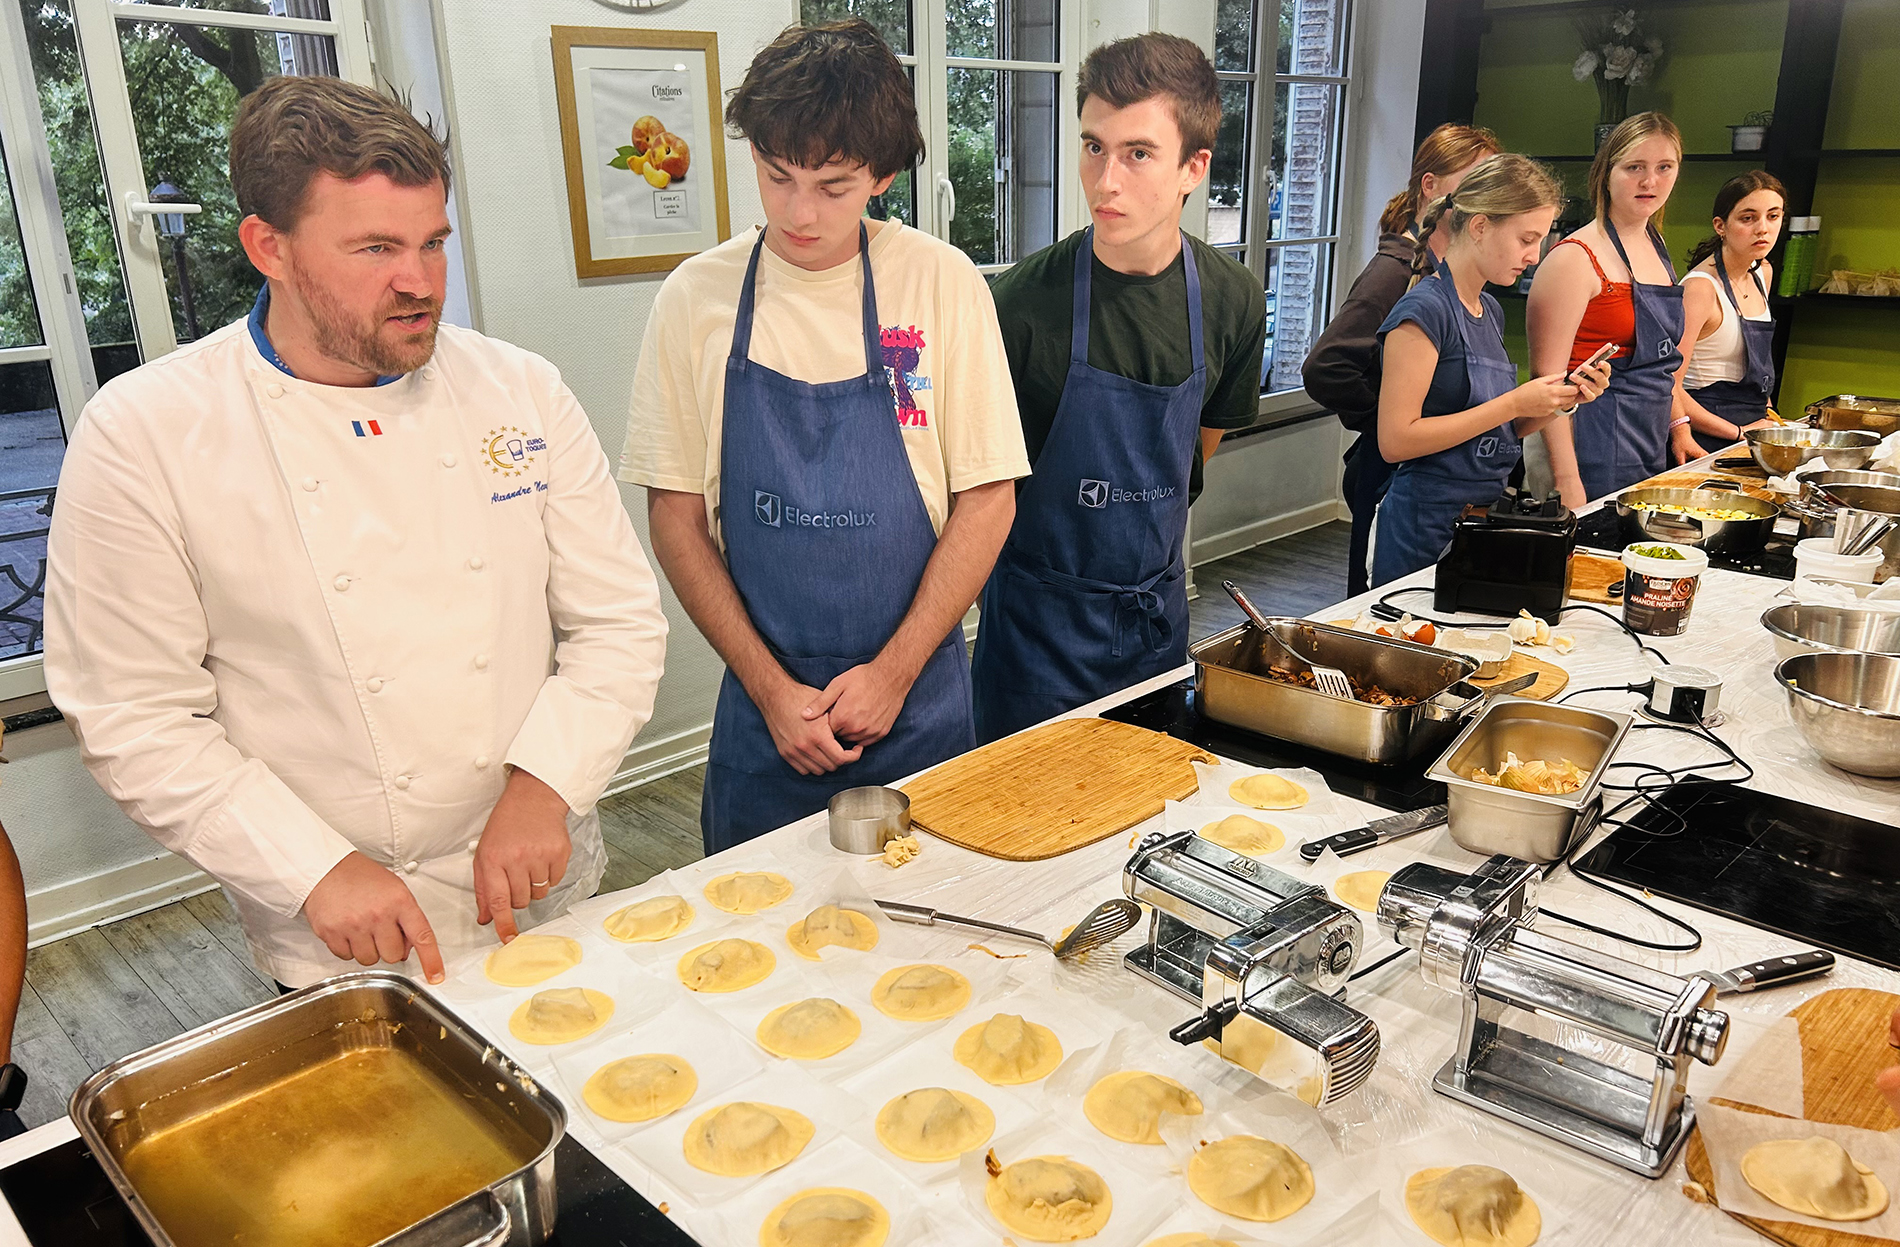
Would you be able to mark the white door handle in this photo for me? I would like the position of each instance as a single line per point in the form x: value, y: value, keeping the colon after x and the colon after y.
x: 139, y: 210
x: 946, y: 193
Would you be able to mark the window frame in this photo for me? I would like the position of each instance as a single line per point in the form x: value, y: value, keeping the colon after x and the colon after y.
x: 1285, y: 406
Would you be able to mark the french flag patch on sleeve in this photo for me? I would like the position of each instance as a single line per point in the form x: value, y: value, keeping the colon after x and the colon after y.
x: 367, y: 428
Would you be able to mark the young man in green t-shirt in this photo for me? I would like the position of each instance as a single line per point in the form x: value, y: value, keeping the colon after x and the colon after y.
x: 1132, y: 347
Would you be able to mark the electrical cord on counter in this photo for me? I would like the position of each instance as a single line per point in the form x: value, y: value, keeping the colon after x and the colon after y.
x: 1380, y: 964
x: 1641, y: 791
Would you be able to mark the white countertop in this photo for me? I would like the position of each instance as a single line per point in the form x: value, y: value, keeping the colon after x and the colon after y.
x: 1584, y: 1200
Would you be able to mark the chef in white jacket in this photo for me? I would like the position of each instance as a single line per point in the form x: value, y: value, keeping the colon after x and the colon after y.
x: 344, y: 606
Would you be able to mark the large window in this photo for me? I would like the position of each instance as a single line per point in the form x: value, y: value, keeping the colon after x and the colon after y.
x: 999, y: 146
x: 1273, y: 186
x: 998, y: 178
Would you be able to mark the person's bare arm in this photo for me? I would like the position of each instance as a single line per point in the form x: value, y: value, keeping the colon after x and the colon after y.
x: 12, y: 942
x: 1405, y: 432
x: 684, y: 546
x: 1560, y: 293
x: 1701, y: 316
x: 863, y: 703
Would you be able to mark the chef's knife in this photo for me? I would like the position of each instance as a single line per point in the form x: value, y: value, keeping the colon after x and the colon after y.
x: 1771, y: 972
x: 1375, y: 833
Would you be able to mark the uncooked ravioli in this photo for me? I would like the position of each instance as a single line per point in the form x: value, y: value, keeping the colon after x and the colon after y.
x: 809, y: 1030
x: 933, y: 1124
x: 1048, y: 1199
x: 1267, y: 792
x: 1251, y: 1178
x: 640, y: 1088
x: 560, y: 1015
x: 1007, y: 1050
x: 831, y: 926
x: 920, y: 993
x: 646, y: 922
x: 743, y: 1138
x: 1361, y: 889
x: 1193, y: 1238
x: 1472, y: 1206
x: 1245, y: 835
x: 726, y: 966
x: 530, y: 959
x: 1814, y: 1176
x: 1128, y: 1105
x: 826, y: 1216
x: 748, y: 891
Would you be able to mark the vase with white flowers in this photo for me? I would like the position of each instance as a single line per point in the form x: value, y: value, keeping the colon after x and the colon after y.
x: 1619, y: 54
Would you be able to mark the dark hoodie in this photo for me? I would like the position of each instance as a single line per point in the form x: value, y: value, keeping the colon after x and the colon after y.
x: 1342, y: 369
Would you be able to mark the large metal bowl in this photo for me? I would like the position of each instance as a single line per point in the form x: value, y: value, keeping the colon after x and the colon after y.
x: 1855, y: 411
x: 1801, y: 629
x: 1730, y: 537
x: 1848, y: 708
x: 1781, y: 451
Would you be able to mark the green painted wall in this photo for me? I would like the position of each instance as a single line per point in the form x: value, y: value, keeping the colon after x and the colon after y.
x: 1721, y: 62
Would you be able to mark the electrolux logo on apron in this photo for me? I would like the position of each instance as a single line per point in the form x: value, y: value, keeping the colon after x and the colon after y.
x: 1096, y: 494
x: 773, y: 512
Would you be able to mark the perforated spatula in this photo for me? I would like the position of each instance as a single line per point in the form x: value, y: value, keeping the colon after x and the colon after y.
x: 1330, y: 680
x: 1104, y: 924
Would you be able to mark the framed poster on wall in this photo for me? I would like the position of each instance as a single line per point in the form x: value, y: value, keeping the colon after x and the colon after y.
x: 643, y: 145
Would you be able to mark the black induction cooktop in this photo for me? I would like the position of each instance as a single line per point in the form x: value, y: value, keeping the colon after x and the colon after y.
x: 1173, y: 710
x: 1801, y: 870
x: 64, y: 1199
x: 1602, y: 530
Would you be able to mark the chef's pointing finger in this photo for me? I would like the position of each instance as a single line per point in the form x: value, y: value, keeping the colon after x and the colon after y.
x: 825, y: 700
x: 421, y: 937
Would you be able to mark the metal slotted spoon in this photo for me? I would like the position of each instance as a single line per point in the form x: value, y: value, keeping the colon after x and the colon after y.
x: 1104, y: 924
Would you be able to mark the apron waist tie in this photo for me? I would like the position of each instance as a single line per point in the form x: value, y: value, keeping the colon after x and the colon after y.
x: 1137, y: 601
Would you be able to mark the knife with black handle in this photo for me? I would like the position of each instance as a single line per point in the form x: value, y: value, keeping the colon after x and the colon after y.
x: 1771, y: 972
x: 1375, y: 833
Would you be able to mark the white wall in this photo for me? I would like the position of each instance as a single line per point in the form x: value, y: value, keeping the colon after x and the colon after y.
x: 500, y: 93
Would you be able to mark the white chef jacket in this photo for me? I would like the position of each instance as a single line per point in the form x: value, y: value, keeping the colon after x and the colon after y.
x: 289, y: 620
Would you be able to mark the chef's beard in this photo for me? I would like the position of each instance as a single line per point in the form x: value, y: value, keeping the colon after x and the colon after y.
x: 359, y: 342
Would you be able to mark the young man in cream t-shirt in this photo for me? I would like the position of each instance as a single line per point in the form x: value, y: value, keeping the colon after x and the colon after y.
x: 832, y: 584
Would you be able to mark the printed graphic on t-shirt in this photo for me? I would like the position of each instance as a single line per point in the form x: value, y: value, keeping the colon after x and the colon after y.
x: 903, y: 354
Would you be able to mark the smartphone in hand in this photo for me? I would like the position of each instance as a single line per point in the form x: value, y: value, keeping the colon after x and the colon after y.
x: 1602, y: 353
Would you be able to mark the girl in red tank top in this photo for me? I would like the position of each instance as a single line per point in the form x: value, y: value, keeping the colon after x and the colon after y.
x: 1610, y: 315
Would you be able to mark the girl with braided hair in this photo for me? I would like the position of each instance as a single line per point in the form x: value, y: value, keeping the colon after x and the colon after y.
x: 1451, y: 413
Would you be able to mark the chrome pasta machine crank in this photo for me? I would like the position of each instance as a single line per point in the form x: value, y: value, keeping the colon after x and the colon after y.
x: 1265, y: 955
x: 1473, y: 937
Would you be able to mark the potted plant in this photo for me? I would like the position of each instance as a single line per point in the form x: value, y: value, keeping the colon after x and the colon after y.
x: 1752, y: 134
x: 1619, y: 54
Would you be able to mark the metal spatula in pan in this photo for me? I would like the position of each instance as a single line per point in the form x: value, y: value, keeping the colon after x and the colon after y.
x: 1330, y: 680
x: 1104, y: 924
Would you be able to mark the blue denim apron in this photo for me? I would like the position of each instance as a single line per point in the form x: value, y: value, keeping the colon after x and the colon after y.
x: 1746, y: 401
x: 1623, y: 437
x: 1428, y: 493
x: 1090, y: 592
x: 826, y: 538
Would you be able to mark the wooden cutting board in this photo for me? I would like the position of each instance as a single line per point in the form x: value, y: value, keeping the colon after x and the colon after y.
x: 1551, y: 678
x: 1754, y: 486
x: 1591, y: 576
x: 1053, y: 788
x: 1843, y: 1045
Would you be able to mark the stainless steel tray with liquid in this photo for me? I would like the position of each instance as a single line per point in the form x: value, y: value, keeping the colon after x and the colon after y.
x: 1230, y: 687
x: 357, y: 1111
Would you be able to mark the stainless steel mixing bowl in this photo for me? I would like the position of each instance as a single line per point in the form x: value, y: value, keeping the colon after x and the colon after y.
x: 1831, y: 629
x: 1848, y: 708
x: 1781, y: 451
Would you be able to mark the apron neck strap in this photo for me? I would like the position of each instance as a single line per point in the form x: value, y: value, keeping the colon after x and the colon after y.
x: 748, y: 301
x: 1721, y: 274
x: 1084, y: 280
x: 1655, y: 240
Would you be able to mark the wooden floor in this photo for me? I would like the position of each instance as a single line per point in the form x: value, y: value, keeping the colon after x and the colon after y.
x: 96, y: 996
